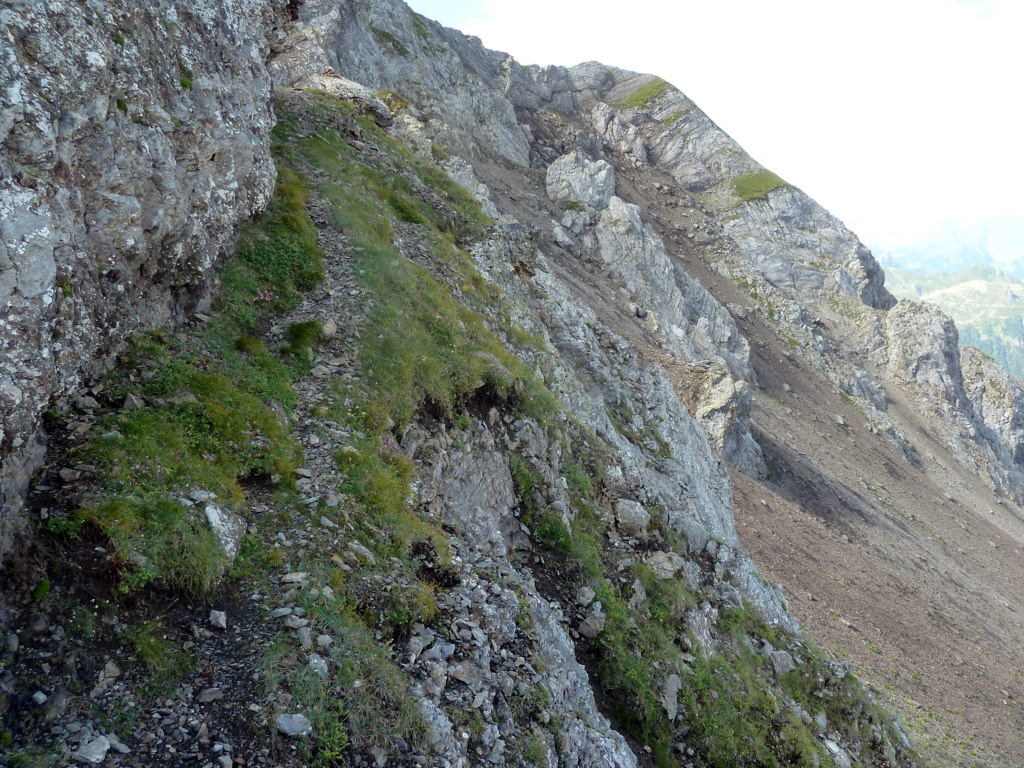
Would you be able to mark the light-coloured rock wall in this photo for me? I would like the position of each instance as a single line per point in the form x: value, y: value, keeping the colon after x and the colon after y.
x: 133, y: 139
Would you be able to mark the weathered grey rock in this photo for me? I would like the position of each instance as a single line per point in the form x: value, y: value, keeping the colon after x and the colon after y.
x: 670, y: 695
x: 218, y: 620
x: 441, y: 70
x: 592, y: 625
x: 696, y: 535
x: 107, y: 676
x: 349, y: 90
x: 981, y: 416
x: 665, y: 565
x: 631, y: 517
x: 997, y: 398
x: 294, y: 725
x: 92, y: 752
x: 318, y: 664
x: 228, y: 527
x: 121, y: 186
x: 782, y: 662
x: 577, y: 179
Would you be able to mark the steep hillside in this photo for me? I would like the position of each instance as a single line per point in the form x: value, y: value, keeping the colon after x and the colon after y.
x: 463, y: 464
x: 987, y: 305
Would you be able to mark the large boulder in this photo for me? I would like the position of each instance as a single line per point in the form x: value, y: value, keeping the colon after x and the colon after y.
x: 574, y: 178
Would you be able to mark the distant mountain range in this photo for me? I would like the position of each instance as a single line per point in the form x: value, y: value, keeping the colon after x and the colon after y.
x: 987, y: 304
x: 998, y: 243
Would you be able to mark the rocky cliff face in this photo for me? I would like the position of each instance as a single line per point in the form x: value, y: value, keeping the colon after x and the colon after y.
x: 485, y: 464
x: 133, y: 140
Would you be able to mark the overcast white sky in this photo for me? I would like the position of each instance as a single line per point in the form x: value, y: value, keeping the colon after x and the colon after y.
x: 903, y: 117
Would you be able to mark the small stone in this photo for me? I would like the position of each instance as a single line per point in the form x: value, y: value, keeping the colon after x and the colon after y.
x: 133, y: 402
x: 295, y: 622
x: 278, y: 613
x: 665, y: 565
x: 324, y: 641
x: 362, y: 552
x: 593, y: 625
x: 296, y: 577
x: 305, y: 637
x: 39, y: 698
x: 330, y: 328
x: 218, y: 620
x: 228, y: 527
x: 318, y: 664
x: 380, y: 757
x: 69, y: 475
x: 224, y: 761
x: 584, y: 595
x: 209, y: 694
x: 294, y: 725
x: 670, y: 695
x: 93, y: 751
x: 118, y: 745
x: 108, y: 675
x: 782, y: 663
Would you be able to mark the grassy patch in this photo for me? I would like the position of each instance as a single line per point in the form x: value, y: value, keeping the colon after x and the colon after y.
x: 392, y: 99
x: 302, y: 339
x: 388, y: 42
x: 756, y: 186
x: 421, y: 29
x: 362, y: 702
x: 165, y: 659
x: 203, y: 413
x: 196, y: 430
x: 646, y: 95
x: 735, y: 709
x: 426, y: 347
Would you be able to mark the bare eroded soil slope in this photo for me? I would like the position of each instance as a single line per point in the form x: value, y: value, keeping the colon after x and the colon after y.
x: 911, y: 570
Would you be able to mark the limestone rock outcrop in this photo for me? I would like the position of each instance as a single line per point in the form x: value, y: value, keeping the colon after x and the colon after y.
x: 133, y: 140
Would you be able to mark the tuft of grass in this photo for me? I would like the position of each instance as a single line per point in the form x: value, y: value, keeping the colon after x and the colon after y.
x: 392, y: 99
x: 438, y: 153
x: 165, y: 659
x: 41, y: 590
x: 757, y: 185
x: 388, y: 42
x: 364, y: 701
x: 646, y: 95
x: 211, y: 413
x: 302, y: 339
x: 421, y: 29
